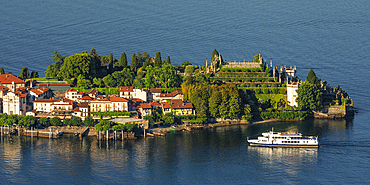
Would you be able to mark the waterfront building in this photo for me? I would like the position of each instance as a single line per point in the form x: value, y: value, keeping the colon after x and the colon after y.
x: 145, y: 109
x: 181, y: 108
x: 44, y: 105
x: 111, y: 104
x: 15, y: 103
x: 82, y: 110
x: 63, y: 107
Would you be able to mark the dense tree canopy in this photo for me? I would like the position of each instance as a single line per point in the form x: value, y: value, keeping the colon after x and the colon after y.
x: 158, y: 60
x: 309, y: 97
x: 75, y: 65
x: 123, y: 60
x: 134, y: 65
x: 24, y: 73
x: 2, y: 71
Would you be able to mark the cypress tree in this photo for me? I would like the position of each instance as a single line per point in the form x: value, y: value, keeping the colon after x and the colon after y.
x: 2, y: 71
x: 168, y: 60
x: 158, y: 60
x: 123, y: 60
x: 133, y: 63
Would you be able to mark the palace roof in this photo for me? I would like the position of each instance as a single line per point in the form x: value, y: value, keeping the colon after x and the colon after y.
x: 9, y: 78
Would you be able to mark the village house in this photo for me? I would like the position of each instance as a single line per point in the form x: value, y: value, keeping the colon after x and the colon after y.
x: 82, y: 110
x: 145, y: 109
x: 181, y: 108
x: 73, y: 94
x: 153, y: 94
x: 15, y: 103
x: 130, y: 92
x: 109, y: 104
x: 44, y: 105
x: 178, y: 95
x: 166, y: 107
x: 12, y: 82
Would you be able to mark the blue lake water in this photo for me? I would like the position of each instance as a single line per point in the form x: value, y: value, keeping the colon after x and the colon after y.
x: 331, y: 37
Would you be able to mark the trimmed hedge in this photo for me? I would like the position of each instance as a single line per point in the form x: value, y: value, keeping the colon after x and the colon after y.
x: 286, y: 115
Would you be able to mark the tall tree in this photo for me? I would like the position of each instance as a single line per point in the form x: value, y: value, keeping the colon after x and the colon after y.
x: 123, y: 60
x: 34, y: 74
x: 158, y: 60
x: 133, y: 65
x: 214, y: 103
x: 89, y: 121
x: 168, y: 60
x: 24, y: 73
x: 2, y: 71
x: 312, y: 78
x: 309, y: 97
x: 234, y: 106
x: 75, y: 65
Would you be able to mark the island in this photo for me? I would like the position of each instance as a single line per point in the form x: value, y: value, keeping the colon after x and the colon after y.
x: 89, y: 94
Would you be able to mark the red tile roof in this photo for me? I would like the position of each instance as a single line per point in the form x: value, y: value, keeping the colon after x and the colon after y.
x: 126, y: 88
x: 3, y: 88
x: 181, y: 105
x: 71, y: 90
x: 166, y: 105
x: 118, y: 99
x: 153, y: 90
x: 172, y: 94
x: 21, y: 94
x: 36, y: 91
x: 44, y: 89
x: 83, y: 104
x: 9, y: 78
x: 145, y: 106
x: 46, y: 100
x: 155, y: 104
x: 86, y: 98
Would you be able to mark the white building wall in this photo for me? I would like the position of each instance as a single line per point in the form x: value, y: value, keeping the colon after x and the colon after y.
x: 292, y: 94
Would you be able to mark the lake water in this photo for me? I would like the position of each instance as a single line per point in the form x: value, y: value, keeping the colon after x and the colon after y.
x: 331, y: 37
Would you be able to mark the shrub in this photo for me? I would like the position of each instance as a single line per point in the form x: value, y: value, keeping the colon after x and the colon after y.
x: 282, y: 90
x: 275, y: 90
x: 257, y: 90
x: 265, y: 91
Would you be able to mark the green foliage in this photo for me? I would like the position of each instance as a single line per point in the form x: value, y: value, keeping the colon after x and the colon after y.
x: 2, y: 71
x: 82, y: 82
x: 123, y: 60
x: 89, y: 121
x: 158, y: 60
x: 55, y: 121
x: 257, y: 91
x: 34, y: 74
x: 189, y: 69
x: 286, y: 115
x: 184, y: 64
x: 312, y: 79
x: 111, y: 113
x: 265, y: 91
x: 214, y: 103
x: 134, y: 65
x: 76, y: 121
x: 24, y: 73
x: 27, y: 121
x: 168, y: 60
x: 150, y: 119
x: 103, y: 125
x: 68, y: 122
x: 282, y: 90
x: 168, y: 118
x: 75, y: 65
x: 309, y: 97
x: 110, y: 81
x: 240, y: 69
x: 44, y: 121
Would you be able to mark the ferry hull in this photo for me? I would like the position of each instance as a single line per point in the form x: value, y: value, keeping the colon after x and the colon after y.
x: 280, y: 145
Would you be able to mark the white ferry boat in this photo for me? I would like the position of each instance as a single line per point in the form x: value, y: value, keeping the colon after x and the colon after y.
x: 275, y: 139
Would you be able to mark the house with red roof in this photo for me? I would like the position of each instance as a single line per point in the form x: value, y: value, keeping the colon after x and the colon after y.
x: 130, y: 92
x: 181, y: 108
x: 15, y: 103
x: 145, y: 109
x: 12, y: 82
x: 3, y: 91
x: 82, y: 110
x: 73, y: 94
x: 171, y: 96
x: 153, y: 94
x: 63, y: 107
x: 109, y: 104
x: 44, y: 105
